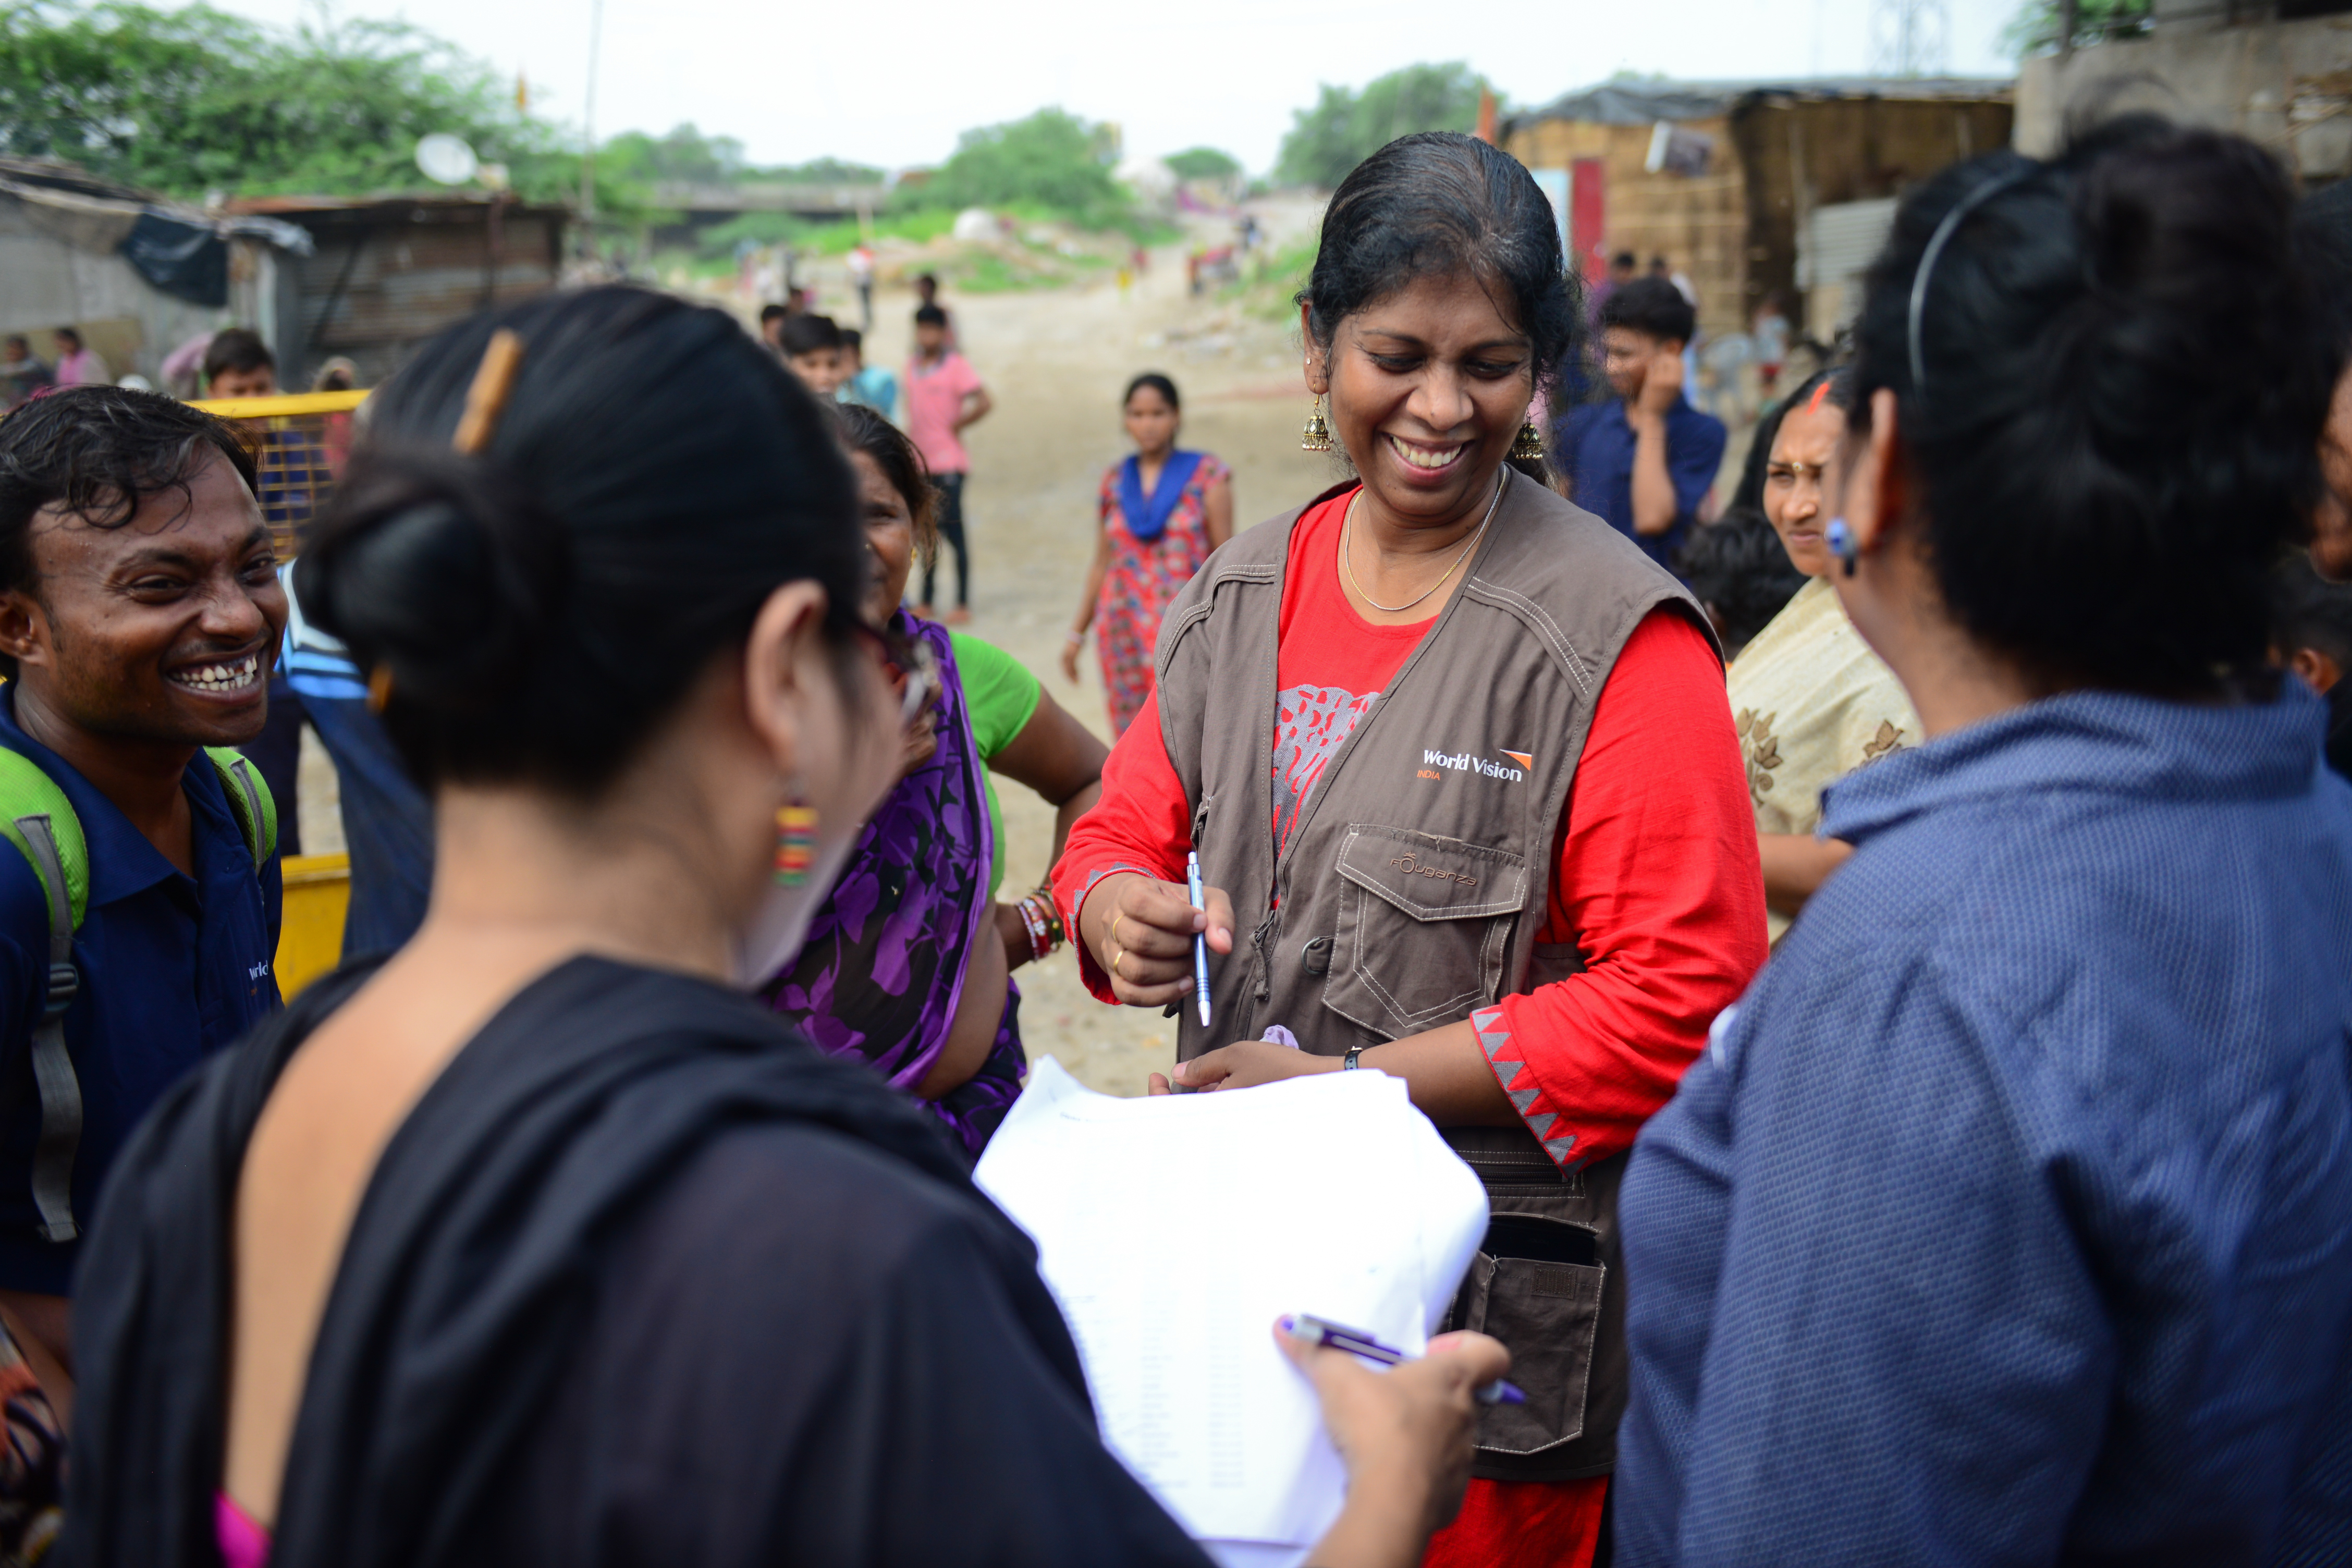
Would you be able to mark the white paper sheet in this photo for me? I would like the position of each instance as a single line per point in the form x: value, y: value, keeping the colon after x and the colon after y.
x: 1175, y: 1229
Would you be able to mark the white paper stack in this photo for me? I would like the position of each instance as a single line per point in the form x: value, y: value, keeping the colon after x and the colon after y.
x: 1174, y: 1231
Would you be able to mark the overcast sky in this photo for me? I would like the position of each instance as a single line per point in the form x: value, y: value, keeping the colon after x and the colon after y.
x: 893, y: 81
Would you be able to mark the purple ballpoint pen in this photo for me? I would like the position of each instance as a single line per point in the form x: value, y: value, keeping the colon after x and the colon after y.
x: 1355, y: 1341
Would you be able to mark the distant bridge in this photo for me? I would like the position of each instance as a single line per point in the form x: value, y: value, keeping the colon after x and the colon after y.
x: 703, y: 204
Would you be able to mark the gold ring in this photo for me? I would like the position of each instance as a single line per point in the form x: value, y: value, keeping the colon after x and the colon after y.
x: 1114, y: 927
x: 1116, y: 953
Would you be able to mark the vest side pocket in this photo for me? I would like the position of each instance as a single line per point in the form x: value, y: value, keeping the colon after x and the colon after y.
x: 1424, y: 925
x: 1547, y: 1314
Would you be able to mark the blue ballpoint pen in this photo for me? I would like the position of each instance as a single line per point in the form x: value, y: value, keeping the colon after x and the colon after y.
x: 1200, y: 938
x: 1355, y: 1341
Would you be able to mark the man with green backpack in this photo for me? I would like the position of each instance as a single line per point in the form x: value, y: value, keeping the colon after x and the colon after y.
x: 140, y: 615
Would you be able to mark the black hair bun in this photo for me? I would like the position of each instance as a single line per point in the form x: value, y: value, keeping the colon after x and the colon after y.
x: 449, y: 586
x: 542, y: 606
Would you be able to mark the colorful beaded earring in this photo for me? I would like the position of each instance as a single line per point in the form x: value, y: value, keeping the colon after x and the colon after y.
x: 795, y: 843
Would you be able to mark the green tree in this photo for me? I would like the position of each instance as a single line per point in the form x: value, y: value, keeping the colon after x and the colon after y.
x: 1203, y: 163
x: 1047, y: 160
x: 2034, y: 30
x: 1346, y: 127
x: 684, y: 156
x: 195, y: 99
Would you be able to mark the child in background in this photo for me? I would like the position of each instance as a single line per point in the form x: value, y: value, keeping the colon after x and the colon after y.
x: 926, y: 297
x: 237, y: 363
x: 867, y: 386
x: 811, y: 348
x: 944, y: 396
x: 771, y: 325
x: 294, y: 462
x: 2311, y: 634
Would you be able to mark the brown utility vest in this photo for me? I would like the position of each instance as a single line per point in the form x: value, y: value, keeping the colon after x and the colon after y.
x: 1413, y: 887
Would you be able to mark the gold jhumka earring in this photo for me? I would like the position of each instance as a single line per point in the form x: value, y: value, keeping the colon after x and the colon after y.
x: 1317, y: 436
x: 1529, y: 447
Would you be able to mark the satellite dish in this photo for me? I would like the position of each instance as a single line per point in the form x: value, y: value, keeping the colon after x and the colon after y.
x: 447, y: 160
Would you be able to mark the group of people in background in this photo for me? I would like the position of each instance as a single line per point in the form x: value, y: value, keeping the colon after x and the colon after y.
x: 944, y: 396
x: 1886, y: 952
x: 26, y: 373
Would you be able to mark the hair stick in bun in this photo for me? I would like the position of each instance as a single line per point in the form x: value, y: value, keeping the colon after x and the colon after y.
x: 485, y: 399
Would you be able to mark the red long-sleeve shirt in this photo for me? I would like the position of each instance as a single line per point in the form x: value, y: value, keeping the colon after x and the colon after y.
x: 1657, y: 880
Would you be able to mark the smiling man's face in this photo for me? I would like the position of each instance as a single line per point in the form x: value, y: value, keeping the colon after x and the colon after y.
x: 163, y: 628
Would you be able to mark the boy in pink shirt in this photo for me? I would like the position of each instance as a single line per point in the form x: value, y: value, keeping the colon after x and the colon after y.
x: 944, y: 395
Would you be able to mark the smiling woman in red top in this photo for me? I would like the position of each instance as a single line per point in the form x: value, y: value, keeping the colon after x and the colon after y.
x: 1461, y: 773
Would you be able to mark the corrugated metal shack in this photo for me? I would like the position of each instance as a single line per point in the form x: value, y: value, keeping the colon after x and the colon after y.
x: 1740, y: 184
x: 2280, y: 73
x: 390, y: 271
x: 137, y: 275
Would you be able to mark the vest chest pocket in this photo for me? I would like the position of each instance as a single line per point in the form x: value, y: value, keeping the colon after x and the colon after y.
x: 1423, y: 925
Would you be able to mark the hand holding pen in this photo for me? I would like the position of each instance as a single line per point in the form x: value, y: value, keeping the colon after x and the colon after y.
x: 1140, y: 930
x: 1356, y: 1342
x: 1406, y: 1433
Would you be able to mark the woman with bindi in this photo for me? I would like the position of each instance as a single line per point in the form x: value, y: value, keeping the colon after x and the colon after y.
x: 1810, y: 700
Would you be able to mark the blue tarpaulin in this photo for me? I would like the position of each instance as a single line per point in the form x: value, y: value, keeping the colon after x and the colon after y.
x: 187, y: 260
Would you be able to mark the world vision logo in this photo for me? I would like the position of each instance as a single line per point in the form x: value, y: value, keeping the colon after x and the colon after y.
x: 1435, y: 765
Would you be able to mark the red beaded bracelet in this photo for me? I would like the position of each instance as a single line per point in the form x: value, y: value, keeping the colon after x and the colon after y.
x: 1043, y: 923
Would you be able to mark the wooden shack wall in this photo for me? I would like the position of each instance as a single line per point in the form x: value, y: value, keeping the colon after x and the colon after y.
x: 1698, y: 223
x: 384, y: 279
x: 1799, y: 154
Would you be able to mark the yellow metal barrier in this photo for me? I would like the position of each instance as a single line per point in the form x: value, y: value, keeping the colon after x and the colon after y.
x: 311, y: 933
x: 299, y: 442
x: 283, y: 404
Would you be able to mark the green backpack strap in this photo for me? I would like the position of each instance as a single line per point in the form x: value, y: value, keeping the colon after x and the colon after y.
x: 38, y: 818
x: 250, y: 801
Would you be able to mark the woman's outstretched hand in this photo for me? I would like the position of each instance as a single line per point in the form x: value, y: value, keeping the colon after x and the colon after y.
x: 1406, y: 1436
x: 1140, y: 930
x: 1243, y: 1065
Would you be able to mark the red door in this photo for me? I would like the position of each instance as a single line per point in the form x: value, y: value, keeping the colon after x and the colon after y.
x: 1588, y: 206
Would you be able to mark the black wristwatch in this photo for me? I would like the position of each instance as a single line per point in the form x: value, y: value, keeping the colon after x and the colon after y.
x: 1347, y: 1062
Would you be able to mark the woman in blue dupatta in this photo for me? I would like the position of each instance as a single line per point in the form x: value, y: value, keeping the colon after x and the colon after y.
x: 1159, y: 513
x: 908, y: 964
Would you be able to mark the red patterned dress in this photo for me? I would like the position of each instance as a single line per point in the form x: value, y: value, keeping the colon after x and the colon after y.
x: 1144, y: 577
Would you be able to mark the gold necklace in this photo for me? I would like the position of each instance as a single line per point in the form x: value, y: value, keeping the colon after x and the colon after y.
x: 1348, y: 522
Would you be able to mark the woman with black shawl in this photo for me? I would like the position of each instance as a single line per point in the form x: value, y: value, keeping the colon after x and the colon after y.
x: 537, y: 1242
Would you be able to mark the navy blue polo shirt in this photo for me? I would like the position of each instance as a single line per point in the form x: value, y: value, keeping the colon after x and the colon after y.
x: 173, y: 968
x: 1595, y: 442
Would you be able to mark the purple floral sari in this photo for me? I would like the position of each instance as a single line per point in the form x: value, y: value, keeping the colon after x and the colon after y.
x: 883, y: 971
